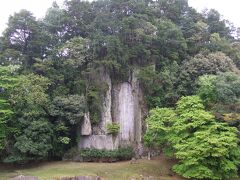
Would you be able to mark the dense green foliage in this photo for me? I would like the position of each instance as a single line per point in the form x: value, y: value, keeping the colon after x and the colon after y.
x: 113, y: 128
x: 7, y: 82
x: 176, y: 50
x: 222, y: 88
x: 96, y: 155
x: 203, y: 64
x: 205, y: 148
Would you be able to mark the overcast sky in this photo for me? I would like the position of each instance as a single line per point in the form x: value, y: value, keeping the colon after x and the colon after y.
x: 228, y: 8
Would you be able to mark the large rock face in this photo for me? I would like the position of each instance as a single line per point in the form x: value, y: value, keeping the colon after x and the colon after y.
x: 123, y: 104
x: 126, y: 112
x: 97, y: 142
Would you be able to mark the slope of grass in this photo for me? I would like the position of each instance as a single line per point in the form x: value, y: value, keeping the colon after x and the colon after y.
x: 143, y: 169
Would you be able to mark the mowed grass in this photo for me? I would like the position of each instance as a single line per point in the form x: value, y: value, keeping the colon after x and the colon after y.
x: 143, y: 169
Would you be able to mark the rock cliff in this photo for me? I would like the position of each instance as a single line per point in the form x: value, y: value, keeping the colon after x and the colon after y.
x: 122, y: 104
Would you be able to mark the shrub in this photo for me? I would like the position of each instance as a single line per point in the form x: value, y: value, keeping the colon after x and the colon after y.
x: 73, y: 152
x: 97, y: 155
x: 125, y: 153
x: 106, y: 155
x: 113, y: 128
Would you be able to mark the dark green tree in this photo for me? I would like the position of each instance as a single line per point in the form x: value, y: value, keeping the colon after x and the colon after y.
x: 202, y: 64
x: 30, y: 102
x: 24, y: 34
x: 216, y: 25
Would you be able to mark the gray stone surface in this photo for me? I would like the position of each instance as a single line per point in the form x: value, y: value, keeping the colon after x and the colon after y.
x: 126, y: 112
x: 98, y: 142
x: 139, y: 106
x: 86, y: 128
x: 128, y: 109
x: 106, y: 116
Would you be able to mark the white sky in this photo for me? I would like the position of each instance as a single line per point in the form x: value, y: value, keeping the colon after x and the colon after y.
x: 228, y: 8
x: 37, y: 7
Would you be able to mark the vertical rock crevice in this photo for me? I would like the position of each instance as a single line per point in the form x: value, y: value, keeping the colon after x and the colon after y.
x: 106, y: 116
x: 86, y: 127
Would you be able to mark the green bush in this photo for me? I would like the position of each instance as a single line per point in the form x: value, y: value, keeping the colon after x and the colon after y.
x: 204, y: 147
x: 97, y: 155
x: 106, y: 155
x: 113, y: 128
x: 125, y: 153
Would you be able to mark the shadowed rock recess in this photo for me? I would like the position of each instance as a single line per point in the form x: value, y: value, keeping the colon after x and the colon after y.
x: 122, y: 104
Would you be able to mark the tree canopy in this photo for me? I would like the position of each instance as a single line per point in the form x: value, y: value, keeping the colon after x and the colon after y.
x: 205, y: 148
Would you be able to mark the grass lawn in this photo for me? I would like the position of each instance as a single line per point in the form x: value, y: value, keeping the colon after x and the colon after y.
x: 143, y: 169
